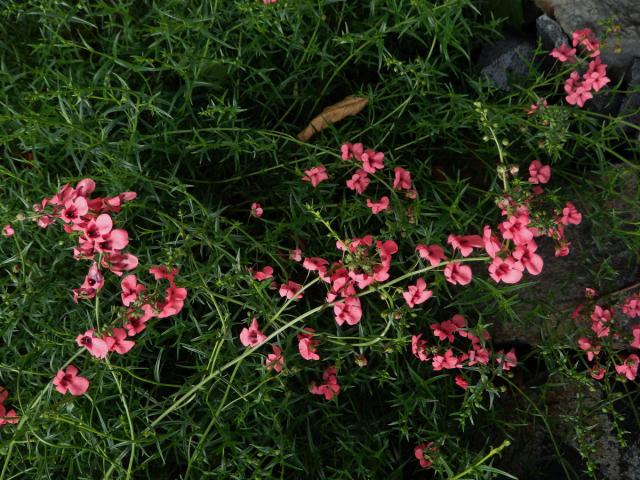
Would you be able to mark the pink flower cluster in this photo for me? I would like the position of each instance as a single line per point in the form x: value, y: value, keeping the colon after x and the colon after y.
x: 603, y: 330
x: 6, y: 416
x: 90, y: 222
x: 579, y: 87
x: 445, y: 357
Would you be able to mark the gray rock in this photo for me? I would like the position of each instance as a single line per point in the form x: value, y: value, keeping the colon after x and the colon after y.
x: 619, y: 48
x: 550, y: 32
x: 506, y: 59
x: 631, y: 104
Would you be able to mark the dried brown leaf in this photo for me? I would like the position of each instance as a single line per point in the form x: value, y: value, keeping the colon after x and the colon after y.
x: 346, y: 107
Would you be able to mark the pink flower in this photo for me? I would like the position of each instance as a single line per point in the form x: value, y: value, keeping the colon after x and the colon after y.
x: 564, y: 53
x: 74, y: 210
x: 7, y: 416
x: 372, y: 161
x: 386, y: 250
x: 117, y: 341
x: 419, y: 348
x: 290, y: 290
x: 457, y: 273
x: 359, y: 181
x: 635, y: 331
x: 265, y: 273
x: 448, y: 361
x: 433, y: 253
x: 631, y: 307
x: 119, y: 262
x: 330, y: 386
x: 316, y: 175
x: 307, y: 345
x: 422, y: 451
x: 402, y: 180
x: 162, y: 272
x: 508, y: 270
x: 295, y: 255
x: 138, y: 317
x: 588, y: 40
x: 315, y: 264
x: 577, y: 92
x: 173, y: 301
x: 379, y: 206
x: 597, y: 372
x: 508, y: 360
x: 629, y: 367
x: 112, y: 242
x: 256, y: 210
x: 417, y: 294
x: 69, y: 381
x: 525, y: 254
x: 596, y: 75
x: 539, y: 173
x: 252, y: 336
x: 491, y: 243
x: 352, y: 150
x: 448, y: 328
x: 97, y: 346
x: 461, y: 382
x: 96, y: 228
x: 592, y: 350
x: 130, y: 289
x: 570, y: 215
x: 533, y: 108
x: 8, y: 231
x: 516, y: 228
x: 275, y: 360
x: 465, y: 243
x: 350, y: 311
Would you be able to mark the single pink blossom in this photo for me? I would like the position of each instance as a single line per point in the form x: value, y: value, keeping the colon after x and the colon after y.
x: 252, y: 336
x: 307, y: 345
x: 275, y: 360
x: 508, y: 270
x: 422, y: 452
x: 118, y: 343
x: 539, y: 173
x: 564, y: 53
x: 433, y: 253
x: 350, y: 311
x: 448, y: 328
x: 372, y: 161
x: 256, y: 210
x: 631, y: 307
x: 131, y: 289
x: 330, y: 387
x: 291, y: 290
x: 316, y: 175
x: 588, y: 40
x: 138, y: 317
x: 419, y: 348
x: 8, y: 231
x: 492, y: 244
x: 70, y: 381
x: 359, y: 182
x: 402, y: 179
x: 457, y: 273
x: 508, y: 360
x: 264, y: 274
x: 629, y: 367
x: 379, y: 206
x: 461, y: 382
x: 465, y: 243
x: 417, y: 294
x: 97, y: 347
x: 525, y: 254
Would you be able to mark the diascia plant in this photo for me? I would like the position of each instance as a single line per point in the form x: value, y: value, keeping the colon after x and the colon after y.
x: 89, y: 222
x: 367, y: 264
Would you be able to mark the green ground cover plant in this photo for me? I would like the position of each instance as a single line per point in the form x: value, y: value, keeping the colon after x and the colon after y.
x: 213, y: 297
